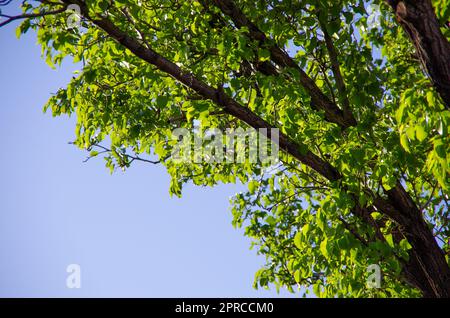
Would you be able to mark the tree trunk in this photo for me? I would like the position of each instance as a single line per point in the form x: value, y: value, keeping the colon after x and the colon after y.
x: 418, y: 19
x: 427, y: 268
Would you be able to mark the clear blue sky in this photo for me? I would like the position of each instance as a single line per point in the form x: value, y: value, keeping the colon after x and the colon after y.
x: 129, y: 237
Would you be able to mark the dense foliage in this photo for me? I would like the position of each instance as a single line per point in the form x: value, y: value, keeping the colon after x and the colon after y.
x: 359, y: 118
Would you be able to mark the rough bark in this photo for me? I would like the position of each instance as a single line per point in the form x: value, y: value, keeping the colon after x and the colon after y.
x: 418, y: 19
x: 427, y: 268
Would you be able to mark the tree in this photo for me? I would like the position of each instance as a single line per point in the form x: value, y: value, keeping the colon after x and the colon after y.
x: 359, y: 91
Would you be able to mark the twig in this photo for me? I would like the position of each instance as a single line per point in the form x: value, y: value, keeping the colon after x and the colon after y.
x: 352, y: 231
x: 29, y: 16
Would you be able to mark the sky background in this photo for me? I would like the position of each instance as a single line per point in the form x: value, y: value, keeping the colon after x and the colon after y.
x: 129, y: 237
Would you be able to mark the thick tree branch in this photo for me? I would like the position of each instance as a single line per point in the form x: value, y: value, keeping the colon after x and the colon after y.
x: 418, y: 19
x: 427, y: 258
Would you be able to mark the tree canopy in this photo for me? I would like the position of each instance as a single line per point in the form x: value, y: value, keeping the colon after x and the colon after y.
x: 360, y: 93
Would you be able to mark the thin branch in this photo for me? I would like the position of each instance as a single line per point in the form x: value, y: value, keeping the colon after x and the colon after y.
x: 353, y: 232
x: 336, y: 69
x: 29, y: 16
x: 133, y: 158
x: 423, y: 207
x: 138, y: 30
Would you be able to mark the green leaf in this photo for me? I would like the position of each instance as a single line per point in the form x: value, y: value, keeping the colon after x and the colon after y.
x: 161, y: 101
x: 439, y: 148
x: 389, y: 240
x: 305, y: 230
x: 324, y: 248
x: 404, y: 245
x: 252, y: 185
x: 411, y: 132
x: 431, y: 99
x: 271, y: 220
x: 298, y: 240
x: 297, y: 276
x: 264, y: 55
x: 421, y: 133
x: 404, y: 142
x: 18, y: 32
x: 252, y: 98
